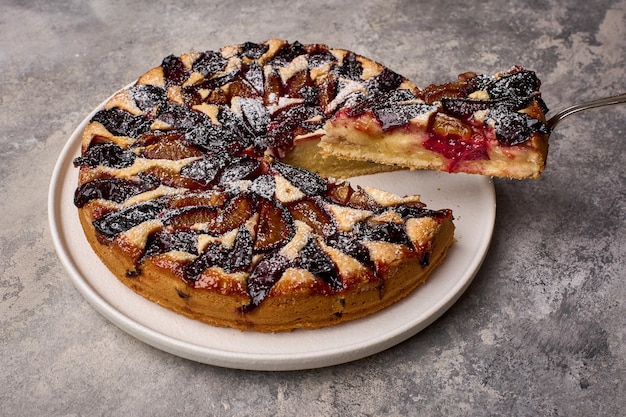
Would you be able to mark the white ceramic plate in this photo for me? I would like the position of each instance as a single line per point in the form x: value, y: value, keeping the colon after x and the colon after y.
x: 472, y: 198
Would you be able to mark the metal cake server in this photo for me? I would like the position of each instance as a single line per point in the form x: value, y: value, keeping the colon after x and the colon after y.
x: 602, y: 102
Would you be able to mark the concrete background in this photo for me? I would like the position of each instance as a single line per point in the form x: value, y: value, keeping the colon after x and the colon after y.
x: 540, y: 332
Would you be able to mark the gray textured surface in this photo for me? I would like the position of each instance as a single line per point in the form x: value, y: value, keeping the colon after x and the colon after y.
x: 541, y: 331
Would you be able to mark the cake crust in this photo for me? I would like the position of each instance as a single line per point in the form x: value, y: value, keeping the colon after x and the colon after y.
x: 300, y: 301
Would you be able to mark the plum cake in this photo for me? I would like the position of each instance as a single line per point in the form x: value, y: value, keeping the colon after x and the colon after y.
x: 215, y: 184
x: 490, y: 125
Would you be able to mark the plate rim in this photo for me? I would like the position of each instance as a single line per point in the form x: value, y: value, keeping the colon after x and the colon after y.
x: 239, y: 360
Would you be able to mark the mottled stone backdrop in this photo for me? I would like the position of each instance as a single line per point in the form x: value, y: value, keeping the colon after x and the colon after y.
x: 540, y: 332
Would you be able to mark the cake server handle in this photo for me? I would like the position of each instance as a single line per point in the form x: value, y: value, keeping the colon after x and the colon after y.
x: 602, y: 102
